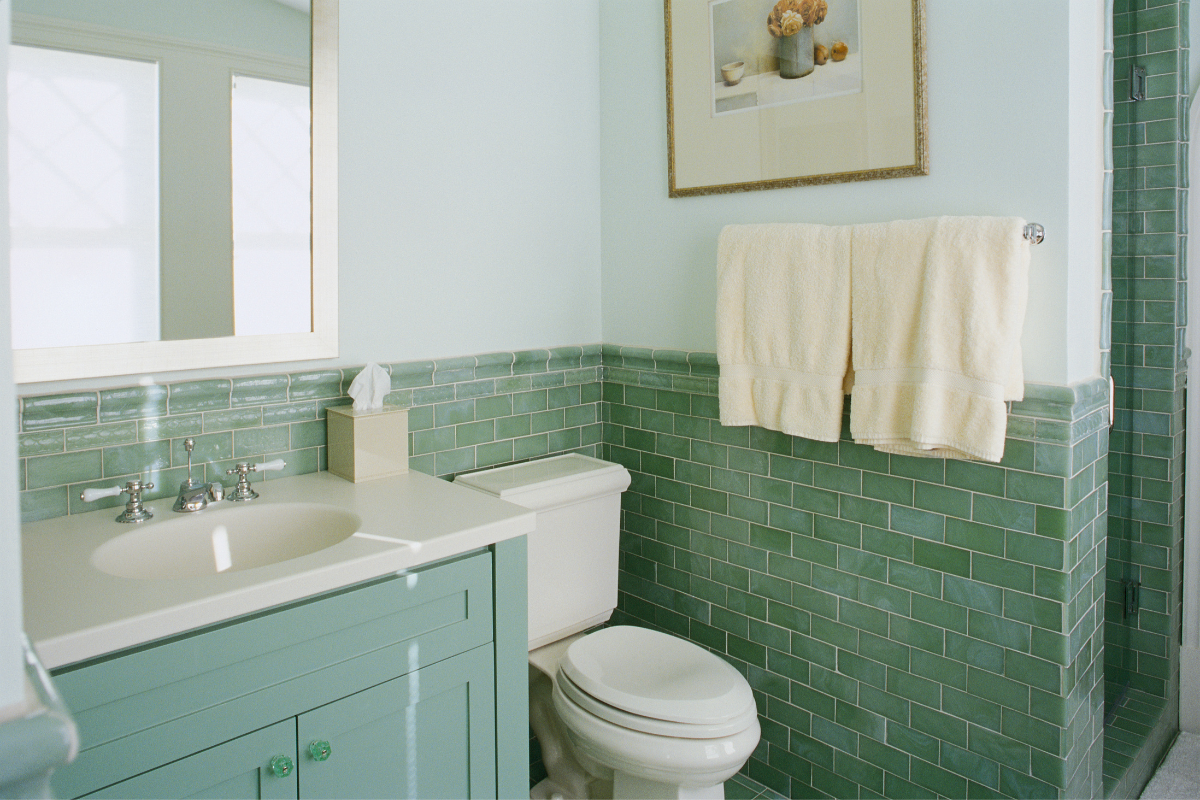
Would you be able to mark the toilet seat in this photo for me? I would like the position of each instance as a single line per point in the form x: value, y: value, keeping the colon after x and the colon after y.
x: 657, y: 727
x: 655, y: 677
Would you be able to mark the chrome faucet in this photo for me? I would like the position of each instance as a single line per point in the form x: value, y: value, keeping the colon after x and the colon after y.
x: 193, y: 494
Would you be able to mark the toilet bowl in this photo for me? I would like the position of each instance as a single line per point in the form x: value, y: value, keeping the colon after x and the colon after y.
x: 621, y: 711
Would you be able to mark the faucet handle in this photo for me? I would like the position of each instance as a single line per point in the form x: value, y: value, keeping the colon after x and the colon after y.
x: 242, y: 491
x: 134, y: 510
x: 92, y: 495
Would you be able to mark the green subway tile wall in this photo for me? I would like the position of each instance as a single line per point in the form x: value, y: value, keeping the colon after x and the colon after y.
x: 911, y: 627
x: 465, y: 413
x: 1148, y: 315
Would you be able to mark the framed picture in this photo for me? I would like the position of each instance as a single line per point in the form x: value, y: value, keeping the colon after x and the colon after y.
x: 763, y: 94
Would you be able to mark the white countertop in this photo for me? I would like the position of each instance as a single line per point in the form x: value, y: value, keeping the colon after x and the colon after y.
x: 73, y: 611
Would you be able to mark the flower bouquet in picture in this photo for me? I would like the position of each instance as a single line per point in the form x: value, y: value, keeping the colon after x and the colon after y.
x: 792, y: 23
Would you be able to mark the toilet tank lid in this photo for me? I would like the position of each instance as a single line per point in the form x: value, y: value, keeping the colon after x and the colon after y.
x: 550, y: 482
x: 656, y: 675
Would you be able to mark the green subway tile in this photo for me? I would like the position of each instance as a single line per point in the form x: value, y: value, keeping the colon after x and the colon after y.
x: 930, y: 470
x: 943, y: 500
x: 1040, y: 489
x: 978, y: 655
x: 887, y: 488
x: 57, y: 411
x: 259, y: 441
x: 975, y: 537
x: 433, y: 440
x: 169, y: 427
x: 43, y: 504
x: 63, y: 468
x: 488, y: 455
x: 412, y: 374
x: 232, y: 419
x: 452, y: 462
x: 998, y: 689
x: 869, y: 512
x: 473, y: 433
x: 40, y: 443
x: 133, y: 402
x: 291, y: 412
x: 975, y: 477
x: 998, y: 748
x: 1000, y: 572
x: 817, y: 501
x: 935, y: 723
x: 198, y: 396
x: 1033, y: 610
x: 562, y: 440
x: 974, y: 594
x: 307, y: 434
x: 211, y: 447
x: 952, y: 674
x: 531, y: 447
x: 937, y: 780
x: 316, y: 385
x: 918, y: 690
x: 913, y: 742
x: 983, y: 771
x: 998, y: 630
x: 919, y: 523
x: 494, y: 365
x: 1036, y: 550
x: 528, y: 362
x: 1003, y: 513
x: 914, y: 578
x: 259, y: 390
x: 135, y: 459
x: 838, y: 479
x: 938, y: 612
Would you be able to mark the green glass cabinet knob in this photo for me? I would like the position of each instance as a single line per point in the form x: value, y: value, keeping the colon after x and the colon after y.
x: 319, y: 750
x: 282, y: 766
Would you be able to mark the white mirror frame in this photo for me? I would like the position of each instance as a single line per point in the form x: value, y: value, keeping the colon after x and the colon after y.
x: 65, y: 363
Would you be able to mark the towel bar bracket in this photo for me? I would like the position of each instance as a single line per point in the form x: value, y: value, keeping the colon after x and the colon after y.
x: 1035, y: 233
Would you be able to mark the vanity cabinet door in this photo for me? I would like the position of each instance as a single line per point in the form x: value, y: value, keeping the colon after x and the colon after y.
x: 241, y: 768
x: 427, y: 734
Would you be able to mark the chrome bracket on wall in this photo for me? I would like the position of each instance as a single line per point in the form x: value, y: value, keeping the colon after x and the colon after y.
x: 1137, y: 83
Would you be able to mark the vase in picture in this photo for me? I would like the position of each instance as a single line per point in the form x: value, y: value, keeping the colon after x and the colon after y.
x: 796, y: 54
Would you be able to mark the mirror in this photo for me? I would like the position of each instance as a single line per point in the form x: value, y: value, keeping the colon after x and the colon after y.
x: 223, y: 254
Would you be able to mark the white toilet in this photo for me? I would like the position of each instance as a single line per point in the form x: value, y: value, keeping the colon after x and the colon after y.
x: 620, y: 712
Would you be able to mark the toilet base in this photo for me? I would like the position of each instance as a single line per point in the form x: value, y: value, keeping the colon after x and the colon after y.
x: 630, y: 786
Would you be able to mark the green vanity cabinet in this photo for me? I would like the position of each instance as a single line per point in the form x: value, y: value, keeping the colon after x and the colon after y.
x: 388, y: 688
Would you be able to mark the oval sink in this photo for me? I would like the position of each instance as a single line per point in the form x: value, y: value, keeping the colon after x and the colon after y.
x: 224, y: 540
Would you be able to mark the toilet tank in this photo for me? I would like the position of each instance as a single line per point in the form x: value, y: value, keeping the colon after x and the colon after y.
x: 573, y: 552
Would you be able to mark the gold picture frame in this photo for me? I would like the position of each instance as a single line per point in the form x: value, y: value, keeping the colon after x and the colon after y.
x: 737, y: 121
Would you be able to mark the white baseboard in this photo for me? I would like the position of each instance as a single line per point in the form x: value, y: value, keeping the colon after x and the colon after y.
x: 1189, y: 689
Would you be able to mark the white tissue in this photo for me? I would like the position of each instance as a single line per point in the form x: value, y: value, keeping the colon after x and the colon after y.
x: 369, y: 388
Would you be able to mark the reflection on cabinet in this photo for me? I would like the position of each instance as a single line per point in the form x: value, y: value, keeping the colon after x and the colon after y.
x: 383, y: 689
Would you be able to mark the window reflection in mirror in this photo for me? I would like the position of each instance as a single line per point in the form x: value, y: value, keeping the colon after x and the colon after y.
x: 159, y: 172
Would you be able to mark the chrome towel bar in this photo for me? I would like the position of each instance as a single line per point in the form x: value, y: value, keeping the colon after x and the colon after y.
x: 1035, y: 233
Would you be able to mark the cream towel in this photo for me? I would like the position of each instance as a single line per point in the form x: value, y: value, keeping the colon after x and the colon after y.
x: 938, y: 310
x: 783, y: 327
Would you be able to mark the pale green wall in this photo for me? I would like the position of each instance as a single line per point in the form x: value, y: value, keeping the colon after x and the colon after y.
x: 1004, y: 139
x: 470, y: 178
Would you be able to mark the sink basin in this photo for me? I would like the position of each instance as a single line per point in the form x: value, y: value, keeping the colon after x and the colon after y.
x: 224, y: 539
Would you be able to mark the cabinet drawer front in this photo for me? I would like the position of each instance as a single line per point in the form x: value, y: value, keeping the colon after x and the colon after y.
x: 140, y: 709
x: 236, y: 769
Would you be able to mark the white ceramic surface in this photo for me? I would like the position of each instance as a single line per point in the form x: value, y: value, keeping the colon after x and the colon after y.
x: 224, y: 538
x: 74, y: 611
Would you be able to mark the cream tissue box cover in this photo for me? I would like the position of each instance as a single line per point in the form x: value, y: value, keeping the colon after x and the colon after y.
x: 364, y: 445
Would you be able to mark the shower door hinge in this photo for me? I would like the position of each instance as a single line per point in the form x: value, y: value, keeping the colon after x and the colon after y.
x: 1137, y: 83
x: 1132, y: 597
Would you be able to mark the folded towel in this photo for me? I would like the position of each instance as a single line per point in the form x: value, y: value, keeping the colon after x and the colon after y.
x: 783, y: 327
x: 938, y: 309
